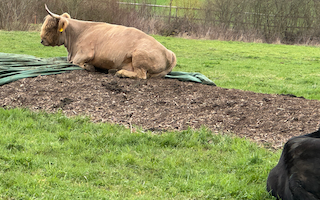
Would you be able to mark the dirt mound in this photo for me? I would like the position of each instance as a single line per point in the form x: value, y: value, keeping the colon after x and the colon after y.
x: 166, y: 104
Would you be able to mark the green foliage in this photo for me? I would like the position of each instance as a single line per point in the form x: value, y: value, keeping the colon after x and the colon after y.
x: 54, y: 157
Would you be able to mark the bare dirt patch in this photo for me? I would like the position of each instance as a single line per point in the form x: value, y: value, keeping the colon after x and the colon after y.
x: 166, y: 104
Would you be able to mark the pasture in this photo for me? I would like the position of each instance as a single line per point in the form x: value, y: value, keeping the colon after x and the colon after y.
x: 257, y: 67
x: 50, y: 156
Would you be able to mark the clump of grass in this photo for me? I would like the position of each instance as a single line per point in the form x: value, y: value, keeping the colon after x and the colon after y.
x: 52, y: 156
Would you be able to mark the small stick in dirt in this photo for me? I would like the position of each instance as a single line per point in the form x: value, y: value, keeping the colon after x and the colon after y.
x: 130, y: 125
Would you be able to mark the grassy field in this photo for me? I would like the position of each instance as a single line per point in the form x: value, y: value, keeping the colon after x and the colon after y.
x: 263, y: 68
x: 48, y: 156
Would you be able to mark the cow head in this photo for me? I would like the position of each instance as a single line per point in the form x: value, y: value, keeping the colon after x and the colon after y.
x: 53, y: 28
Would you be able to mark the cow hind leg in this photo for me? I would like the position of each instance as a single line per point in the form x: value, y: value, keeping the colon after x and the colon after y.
x: 133, y: 67
x: 137, y: 73
x: 149, y: 65
x: 127, y: 70
x: 143, y: 63
x: 170, y: 62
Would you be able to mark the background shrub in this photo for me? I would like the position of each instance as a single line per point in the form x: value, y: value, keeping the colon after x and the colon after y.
x: 285, y: 21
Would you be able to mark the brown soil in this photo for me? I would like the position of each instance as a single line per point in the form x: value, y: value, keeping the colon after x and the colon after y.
x: 166, y: 104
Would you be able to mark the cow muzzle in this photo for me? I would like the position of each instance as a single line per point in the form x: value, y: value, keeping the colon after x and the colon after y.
x: 43, y: 42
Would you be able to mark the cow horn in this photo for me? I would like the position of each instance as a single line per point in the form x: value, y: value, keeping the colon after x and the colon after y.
x: 51, y: 13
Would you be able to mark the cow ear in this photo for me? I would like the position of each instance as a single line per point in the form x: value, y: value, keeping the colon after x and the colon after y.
x: 63, y: 24
x: 66, y: 15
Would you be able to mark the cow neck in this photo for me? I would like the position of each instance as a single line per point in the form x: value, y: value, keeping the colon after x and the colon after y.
x: 73, y: 31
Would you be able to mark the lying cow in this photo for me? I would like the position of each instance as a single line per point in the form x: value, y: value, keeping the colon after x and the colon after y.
x: 129, y: 51
x: 297, y: 175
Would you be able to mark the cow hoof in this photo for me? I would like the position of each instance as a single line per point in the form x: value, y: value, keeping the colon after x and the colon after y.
x: 89, y: 68
x: 117, y: 74
x: 112, y: 71
x: 129, y: 74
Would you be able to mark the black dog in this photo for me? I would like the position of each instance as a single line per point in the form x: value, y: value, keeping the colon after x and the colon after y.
x: 297, y: 174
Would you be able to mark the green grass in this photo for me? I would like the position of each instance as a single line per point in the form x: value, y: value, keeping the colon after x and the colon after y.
x: 46, y: 156
x: 263, y: 68
x: 21, y: 42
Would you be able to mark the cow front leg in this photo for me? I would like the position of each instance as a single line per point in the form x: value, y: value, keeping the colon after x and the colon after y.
x: 87, y: 67
x: 82, y: 58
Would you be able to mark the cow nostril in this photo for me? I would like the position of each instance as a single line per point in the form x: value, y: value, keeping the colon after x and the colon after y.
x: 41, y: 41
